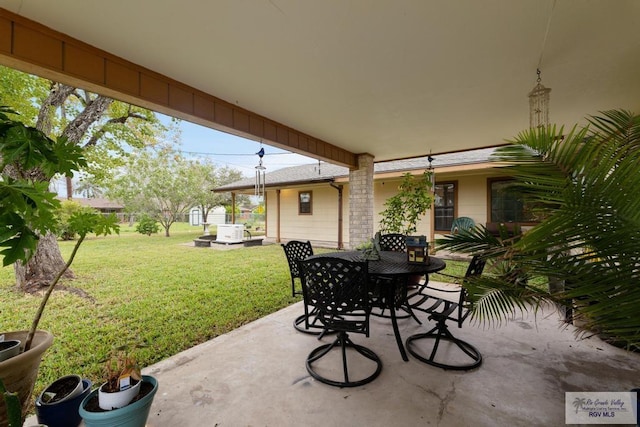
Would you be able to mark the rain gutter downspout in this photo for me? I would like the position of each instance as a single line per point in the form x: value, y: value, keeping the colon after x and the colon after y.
x: 340, y: 217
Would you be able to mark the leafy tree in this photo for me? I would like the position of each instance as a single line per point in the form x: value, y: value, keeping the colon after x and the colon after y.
x: 156, y: 181
x: 585, y: 182
x: 205, y: 176
x: 88, y: 188
x: 411, y: 202
x: 104, y: 128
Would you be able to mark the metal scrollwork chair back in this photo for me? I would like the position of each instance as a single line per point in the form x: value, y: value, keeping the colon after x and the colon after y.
x: 393, y: 242
x: 339, y: 290
x: 295, y: 251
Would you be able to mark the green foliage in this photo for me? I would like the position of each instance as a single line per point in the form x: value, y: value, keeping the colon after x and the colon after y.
x: 411, y: 202
x: 14, y: 408
x: 147, y: 225
x: 169, y: 295
x: 28, y: 207
x: 109, y: 136
x: 585, y: 184
x: 204, y: 176
x: 156, y: 182
x: 64, y: 213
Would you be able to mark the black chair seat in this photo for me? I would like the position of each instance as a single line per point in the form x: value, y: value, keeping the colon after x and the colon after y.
x: 445, y: 302
x: 339, y: 290
x: 425, y: 346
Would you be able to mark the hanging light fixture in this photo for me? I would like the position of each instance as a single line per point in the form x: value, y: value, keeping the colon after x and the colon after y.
x: 539, y: 104
x: 260, y: 175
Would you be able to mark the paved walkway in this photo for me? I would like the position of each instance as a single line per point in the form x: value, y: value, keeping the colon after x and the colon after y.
x: 255, y: 376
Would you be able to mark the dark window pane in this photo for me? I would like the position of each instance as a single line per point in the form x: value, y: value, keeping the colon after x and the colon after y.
x: 304, y: 202
x: 444, y: 206
x: 506, y: 204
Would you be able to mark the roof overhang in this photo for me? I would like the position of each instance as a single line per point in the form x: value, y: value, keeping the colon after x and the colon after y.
x: 335, y: 78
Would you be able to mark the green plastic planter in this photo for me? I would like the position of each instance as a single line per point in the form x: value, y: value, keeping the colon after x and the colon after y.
x: 133, y: 415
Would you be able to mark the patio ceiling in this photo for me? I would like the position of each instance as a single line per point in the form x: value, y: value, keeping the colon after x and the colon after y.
x: 395, y: 79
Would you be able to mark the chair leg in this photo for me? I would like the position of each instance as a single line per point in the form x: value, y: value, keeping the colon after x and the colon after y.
x: 344, y: 342
x: 308, y: 323
x: 441, y: 333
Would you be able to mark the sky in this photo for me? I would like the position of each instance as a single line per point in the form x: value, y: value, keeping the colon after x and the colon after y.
x: 224, y: 149
x: 229, y: 150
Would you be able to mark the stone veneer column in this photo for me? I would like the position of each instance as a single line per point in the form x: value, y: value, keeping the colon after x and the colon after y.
x: 361, y: 201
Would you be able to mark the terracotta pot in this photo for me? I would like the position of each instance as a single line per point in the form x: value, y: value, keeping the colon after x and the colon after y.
x: 19, y: 373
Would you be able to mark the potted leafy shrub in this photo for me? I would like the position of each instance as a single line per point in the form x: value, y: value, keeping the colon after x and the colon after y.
x: 27, y: 210
x: 124, y: 399
x: 403, y: 210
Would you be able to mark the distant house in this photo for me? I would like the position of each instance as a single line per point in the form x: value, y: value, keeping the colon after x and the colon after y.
x: 103, y: 205
x: 311, y: 202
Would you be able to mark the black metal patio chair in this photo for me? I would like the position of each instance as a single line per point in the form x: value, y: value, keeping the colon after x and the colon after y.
x: 446, y: 302
x: 394, y: 242
x: 339, y: 290
x: 295, y: 251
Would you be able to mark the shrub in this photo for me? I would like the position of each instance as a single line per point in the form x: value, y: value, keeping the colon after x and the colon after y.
x: 66, y: 229
x: 147, y: 225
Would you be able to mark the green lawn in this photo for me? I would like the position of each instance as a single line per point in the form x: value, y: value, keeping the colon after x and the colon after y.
x: 148, y: 290
x: 155, y: 291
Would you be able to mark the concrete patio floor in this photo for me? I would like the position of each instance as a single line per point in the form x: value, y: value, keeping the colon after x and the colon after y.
x: 256, y: 376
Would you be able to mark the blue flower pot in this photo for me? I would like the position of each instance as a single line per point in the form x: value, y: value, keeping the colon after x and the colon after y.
x: 65, y: 413
x: 132, y: 415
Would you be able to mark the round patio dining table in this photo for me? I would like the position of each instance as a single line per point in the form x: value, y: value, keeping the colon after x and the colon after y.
x: 391, y: 265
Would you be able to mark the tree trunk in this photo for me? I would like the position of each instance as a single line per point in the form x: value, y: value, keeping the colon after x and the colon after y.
x: 69, y: 187
x: 45, y: 264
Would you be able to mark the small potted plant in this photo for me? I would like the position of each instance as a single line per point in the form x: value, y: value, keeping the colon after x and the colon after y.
x: 58, y: 404
x: 122, y: 383
x: 124, y: 399
x: 370, y: 249
x: 27, y: 211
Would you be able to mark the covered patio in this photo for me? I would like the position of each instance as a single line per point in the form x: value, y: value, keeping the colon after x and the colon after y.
x: 256, y: 375
x: 354, y: 83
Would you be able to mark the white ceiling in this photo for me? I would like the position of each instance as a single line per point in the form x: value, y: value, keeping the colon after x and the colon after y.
x: 394, y: 78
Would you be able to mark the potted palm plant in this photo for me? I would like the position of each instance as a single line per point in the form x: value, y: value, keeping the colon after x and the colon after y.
x: 27, y: 210
x: 584, y: 184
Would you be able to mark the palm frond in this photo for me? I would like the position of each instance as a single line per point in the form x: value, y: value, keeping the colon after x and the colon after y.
x: 585, y: 184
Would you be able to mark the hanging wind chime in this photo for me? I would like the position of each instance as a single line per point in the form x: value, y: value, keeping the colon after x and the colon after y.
x: 260, y: 175
x: 433, y: 175
x: 539, y: 104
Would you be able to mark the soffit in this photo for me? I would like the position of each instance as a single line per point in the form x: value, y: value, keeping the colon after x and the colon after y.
x: 394, y: 79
